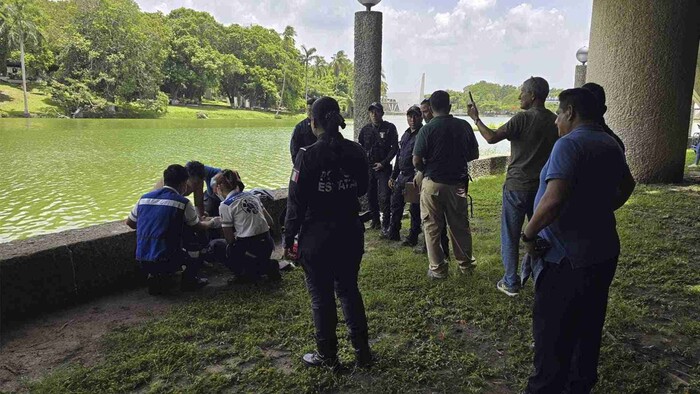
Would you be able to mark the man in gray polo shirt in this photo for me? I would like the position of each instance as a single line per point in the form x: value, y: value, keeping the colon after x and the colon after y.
x: 532, y: 134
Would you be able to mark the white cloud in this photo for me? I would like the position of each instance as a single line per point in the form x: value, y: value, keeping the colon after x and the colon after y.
x: 473, y: 40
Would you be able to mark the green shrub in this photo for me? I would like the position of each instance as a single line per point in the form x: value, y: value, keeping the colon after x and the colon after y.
x: 74, y: 96
x: 144, y: 108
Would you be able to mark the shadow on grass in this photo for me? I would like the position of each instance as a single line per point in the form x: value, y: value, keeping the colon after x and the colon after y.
x: 4, y: 97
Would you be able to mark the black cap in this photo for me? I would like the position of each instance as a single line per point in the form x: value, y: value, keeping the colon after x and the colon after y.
x: 414, y: 110
x: 377, y: 106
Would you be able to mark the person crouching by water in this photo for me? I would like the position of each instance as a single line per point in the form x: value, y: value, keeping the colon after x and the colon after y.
x: 158, y: 219
x: 323, y: 207
x: 245, y: 223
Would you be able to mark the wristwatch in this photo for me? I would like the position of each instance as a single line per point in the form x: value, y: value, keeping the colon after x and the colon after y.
x: 525, y: 239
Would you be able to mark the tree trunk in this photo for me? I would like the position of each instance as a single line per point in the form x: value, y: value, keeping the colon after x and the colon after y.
x: 306, y: 87
x: 24, y: 75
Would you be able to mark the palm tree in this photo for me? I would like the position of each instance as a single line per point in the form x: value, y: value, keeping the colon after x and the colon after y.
x: 18, y: 23
x: 307, y: 56
x: 340, y: 63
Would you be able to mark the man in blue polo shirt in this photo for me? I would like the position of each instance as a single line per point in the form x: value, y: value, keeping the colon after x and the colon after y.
x: 582, y: 184
x: 159, y: 219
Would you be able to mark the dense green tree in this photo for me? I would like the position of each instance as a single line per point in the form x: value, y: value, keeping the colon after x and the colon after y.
x: 116, y: 50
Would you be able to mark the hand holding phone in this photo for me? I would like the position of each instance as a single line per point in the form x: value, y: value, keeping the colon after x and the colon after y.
x: 472, y: 111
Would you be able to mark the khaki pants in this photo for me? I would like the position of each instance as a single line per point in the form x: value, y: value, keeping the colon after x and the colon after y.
x: 440, y: 203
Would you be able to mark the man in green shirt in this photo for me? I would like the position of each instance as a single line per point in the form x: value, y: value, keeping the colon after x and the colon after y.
x: 532, y: 134
x: 442, y: 151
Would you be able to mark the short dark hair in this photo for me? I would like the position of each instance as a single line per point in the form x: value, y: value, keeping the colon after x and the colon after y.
x: 195, y: 169
x: 583, y: 102
x: 440, y: 101
x: 311, y: 101
x: 425, y: 101
x: 538, y: 86
x: 599, y: 94
x: 175, y: 175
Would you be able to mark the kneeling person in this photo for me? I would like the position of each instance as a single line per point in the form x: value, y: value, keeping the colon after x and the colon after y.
x: 158, y: 219
x: 246, y: 227
x: 404, y: 171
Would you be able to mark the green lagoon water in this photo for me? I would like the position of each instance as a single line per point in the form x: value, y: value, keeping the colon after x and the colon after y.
x: 64, y: 173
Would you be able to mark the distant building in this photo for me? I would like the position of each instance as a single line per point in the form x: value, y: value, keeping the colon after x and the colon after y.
x: 13, y: 68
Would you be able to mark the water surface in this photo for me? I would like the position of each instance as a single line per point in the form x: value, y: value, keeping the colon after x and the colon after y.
x: 73, y: 173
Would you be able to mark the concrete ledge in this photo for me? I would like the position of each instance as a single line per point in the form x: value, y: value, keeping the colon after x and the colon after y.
x: 49, y: 271
x: 493, y: 165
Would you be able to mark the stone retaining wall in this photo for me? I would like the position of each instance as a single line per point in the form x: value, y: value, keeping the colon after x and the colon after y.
x: 49, y: 271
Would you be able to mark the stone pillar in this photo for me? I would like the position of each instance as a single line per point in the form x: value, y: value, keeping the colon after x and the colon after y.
x: 580, y: 78
x: 643, y: 52
x: 368, y: 64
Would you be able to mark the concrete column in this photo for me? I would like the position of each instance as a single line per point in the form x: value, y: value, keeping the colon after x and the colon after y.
x: 580, y: 78
x: 643, y: 52
x: 368, y: 64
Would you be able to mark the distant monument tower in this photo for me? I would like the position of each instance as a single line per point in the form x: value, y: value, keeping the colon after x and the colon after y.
x: 422, y: 88
x: 368, y: 62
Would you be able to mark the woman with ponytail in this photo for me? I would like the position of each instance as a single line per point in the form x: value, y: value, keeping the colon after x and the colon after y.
x: 323, y: 209
x: 246, y: 227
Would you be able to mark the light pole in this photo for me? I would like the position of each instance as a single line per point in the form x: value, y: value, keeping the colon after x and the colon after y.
x: 581, y: 56
x: 368, y: 62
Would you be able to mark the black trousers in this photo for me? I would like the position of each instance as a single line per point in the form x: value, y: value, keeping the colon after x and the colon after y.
x: 247, y: 257
x: 330, y: 274
x: 173, y: 265
x: 567, y: 324
x: 211, y: 205
x: 379, y: 195
x: 397, y: 206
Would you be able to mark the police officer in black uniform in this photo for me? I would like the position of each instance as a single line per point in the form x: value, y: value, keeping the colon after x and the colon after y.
x: 404, y: 171
x: 323, y: 208
x: 302, y: 135
x: 380, y: 140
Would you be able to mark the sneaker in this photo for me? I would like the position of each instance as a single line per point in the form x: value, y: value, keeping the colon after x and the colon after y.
x: 316, y: 360
x: 509, y: 291
x: 434, y: 275
x: 192, y: 284
x: 365, y: 359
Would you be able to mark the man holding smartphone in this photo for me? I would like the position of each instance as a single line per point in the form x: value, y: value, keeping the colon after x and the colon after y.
x: 532, y: 134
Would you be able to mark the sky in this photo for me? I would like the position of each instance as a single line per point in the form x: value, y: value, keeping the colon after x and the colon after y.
x: 454, y: 42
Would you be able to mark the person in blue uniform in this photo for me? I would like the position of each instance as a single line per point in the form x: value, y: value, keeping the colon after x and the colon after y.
x: 245, y: 223
x: 380, y: 140
x: 404, y: 171
x: 159, y: 219
x: 323, y: 208
x: 302, y: 135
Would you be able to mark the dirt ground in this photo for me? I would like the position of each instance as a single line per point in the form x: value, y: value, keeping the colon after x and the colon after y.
x: 38, y: 346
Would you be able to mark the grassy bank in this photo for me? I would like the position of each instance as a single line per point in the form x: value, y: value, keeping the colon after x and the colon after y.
x: 459, y: 335
x: 12, y: 102
x: 12, y: 105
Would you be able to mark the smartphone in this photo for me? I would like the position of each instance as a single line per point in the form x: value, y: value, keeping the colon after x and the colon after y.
x: 471, y: 98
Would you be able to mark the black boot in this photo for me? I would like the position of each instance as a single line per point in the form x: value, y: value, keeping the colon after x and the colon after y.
x: 363, y: 355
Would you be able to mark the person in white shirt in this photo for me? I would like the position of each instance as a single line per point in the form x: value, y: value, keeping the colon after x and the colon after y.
x: 247, y: 244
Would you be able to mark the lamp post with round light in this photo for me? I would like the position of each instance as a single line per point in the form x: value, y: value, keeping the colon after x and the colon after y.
x: 368, y: 62
x: 581, y: 56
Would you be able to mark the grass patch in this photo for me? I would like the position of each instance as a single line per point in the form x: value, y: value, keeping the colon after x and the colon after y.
x: 458, y: 335
x: 12, y: 105
x: 12, y: 101
x: 218, y: 110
